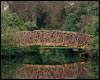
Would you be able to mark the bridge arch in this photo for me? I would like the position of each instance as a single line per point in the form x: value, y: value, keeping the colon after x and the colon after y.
x: 54, y: 38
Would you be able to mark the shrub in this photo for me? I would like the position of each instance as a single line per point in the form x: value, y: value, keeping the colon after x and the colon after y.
x: 10, y: 19
x: 30, y: 26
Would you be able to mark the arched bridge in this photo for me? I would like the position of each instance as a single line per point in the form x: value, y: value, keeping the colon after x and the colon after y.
x: 54, y: 38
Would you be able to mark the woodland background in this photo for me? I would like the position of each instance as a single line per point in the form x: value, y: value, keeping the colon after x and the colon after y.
x: 75, y: 16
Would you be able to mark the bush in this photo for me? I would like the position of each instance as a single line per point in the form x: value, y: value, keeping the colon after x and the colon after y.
x: 9, y: 19
x: 12, y: 20
x: 93, y: 27
x: 9, y: 42
x: 30, y: 26
x: 94, y: 50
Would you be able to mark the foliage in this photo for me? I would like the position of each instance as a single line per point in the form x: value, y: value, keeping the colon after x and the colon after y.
x: 9, y: 19
x: 71, y: 23
x: 10, y: 23
x: 75, y: 17
x: 30, y: 26
x: 41, y: 20
x: 9, y: 42
x: 94, y: 50
x: 95, y: 46
x: 34, y: 49
x: 33, y: 58
x: 93, y: 29
x: 60, y: 56
x: 43, y: 14
x: 81, y: 14
x: 9, y: 66
x: 32, y: 55
x: 29, y: 16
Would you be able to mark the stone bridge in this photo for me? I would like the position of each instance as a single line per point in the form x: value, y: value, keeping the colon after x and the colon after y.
x: 54, y: 38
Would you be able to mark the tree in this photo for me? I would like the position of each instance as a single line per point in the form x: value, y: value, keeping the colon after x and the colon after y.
x: 93, y: 29
x: 10, y: 20
x: 41, y: 12
x: 80, y: 15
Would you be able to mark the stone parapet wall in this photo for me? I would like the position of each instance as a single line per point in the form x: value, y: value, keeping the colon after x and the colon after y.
x: 54, y: 38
